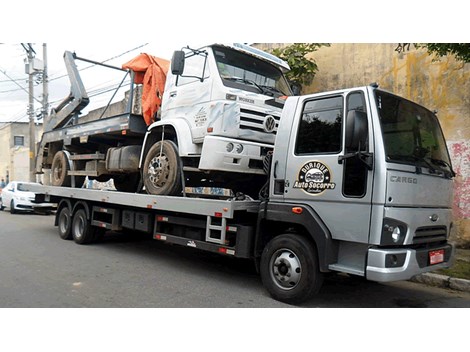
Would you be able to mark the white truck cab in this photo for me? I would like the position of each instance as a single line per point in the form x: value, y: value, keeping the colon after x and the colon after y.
x: 220, y: 112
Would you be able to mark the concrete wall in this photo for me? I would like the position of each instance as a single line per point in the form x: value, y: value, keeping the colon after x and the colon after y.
x: 442, y: 85
x: 14, y: 160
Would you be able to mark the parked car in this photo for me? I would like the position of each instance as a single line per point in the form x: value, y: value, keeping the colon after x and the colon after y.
x: 16, y: 198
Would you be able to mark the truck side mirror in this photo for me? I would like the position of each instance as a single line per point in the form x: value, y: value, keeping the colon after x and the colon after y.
x: 177, y: 62
x: 356, y: 130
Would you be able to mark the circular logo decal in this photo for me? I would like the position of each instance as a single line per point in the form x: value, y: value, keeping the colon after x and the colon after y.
x: 314, y: 178
x: 269, y: 123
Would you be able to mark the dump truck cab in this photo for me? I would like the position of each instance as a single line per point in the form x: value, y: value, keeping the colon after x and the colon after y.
x: 221, y: 109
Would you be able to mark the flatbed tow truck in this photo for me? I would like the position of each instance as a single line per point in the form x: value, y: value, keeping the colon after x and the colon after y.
x: 351, y: 187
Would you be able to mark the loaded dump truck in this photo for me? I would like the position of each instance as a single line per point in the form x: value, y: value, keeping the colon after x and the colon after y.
x: 357, y: 181
x: 209, y: 121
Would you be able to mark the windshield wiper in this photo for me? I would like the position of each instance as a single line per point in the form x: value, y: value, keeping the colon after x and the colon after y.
x: 274, y: 89
x: 445, y: 164
x: 398, y: 157
x: 431, y: 168
x: 244, y: 80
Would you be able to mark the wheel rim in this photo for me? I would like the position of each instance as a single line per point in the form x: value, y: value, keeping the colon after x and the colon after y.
x: 57, y: 171
x: 79, y: 227
x: 158, y: 170
x: 64, y: 222
x: 286, y: 269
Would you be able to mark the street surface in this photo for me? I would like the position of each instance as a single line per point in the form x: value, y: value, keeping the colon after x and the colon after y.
x: 38, y: 269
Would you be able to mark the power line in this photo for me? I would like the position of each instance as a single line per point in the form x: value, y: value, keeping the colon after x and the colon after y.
x: 85, y: 68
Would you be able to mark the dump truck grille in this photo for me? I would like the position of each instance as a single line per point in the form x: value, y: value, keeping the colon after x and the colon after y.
x: 259, y: 121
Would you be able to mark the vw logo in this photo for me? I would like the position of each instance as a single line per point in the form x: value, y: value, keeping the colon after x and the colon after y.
x: 269, y: 123
x: 434, y: 217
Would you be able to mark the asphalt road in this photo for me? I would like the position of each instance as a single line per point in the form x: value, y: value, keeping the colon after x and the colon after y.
x: 38, y: 269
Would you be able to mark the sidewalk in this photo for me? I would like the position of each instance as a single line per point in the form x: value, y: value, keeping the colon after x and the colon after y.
x: 445, y: 281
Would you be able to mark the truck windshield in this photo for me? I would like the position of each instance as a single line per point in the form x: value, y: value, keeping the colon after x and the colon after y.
x: 412, y: 134
x: 242, y: 71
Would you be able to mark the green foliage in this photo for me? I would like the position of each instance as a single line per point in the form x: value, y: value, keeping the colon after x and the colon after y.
x: 460, y: 50
x: 303, y: 69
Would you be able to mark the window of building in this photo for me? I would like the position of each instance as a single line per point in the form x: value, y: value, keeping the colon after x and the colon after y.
x: 18, y: 141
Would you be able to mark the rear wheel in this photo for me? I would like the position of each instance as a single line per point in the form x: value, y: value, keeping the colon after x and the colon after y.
x: 59, y: 171
x: 162, y: 169
x: 289, y: 269
x: 64, y: 220
x: 82, y: 231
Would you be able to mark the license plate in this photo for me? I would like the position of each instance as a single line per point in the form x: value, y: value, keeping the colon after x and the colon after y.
x: 436, y: 257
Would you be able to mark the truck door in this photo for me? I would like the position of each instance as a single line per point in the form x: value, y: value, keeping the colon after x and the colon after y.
x: 325, y: 173
x: 190, y: 95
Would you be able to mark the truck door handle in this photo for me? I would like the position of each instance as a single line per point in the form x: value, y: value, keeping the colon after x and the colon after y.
x: 275, y: 169
x: 172, y: 94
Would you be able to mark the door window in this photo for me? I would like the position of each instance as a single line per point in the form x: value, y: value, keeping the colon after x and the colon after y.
x: 320, y: 127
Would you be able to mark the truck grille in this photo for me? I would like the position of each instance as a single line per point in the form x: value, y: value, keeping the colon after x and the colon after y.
x: 430, y: 234
x: 255, y: 121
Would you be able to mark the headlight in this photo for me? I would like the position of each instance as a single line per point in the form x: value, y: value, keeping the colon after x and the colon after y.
x: 238, y: 148
x: 229, y: 147
x: 393, y: 232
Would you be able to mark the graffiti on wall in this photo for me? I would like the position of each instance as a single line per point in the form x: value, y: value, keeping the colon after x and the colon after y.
x: 460, y: 155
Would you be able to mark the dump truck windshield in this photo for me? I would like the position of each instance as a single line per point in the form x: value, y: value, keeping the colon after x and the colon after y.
x: 412, y: 134
x: 239, y: 70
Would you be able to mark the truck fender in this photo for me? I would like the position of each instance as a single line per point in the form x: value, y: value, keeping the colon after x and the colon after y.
x: 277, y: 218
x: 81, y: 205
x: 177, y: 130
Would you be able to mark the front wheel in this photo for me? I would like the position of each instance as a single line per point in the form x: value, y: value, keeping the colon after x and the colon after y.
x: 162, y: 170
x: 289, y: 269
x: 12, y: 207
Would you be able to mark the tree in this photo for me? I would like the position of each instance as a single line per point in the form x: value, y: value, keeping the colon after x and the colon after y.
x: 303, y: 68
x: 461, y: 51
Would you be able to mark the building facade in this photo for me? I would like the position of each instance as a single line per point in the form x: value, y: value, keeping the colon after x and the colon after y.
x: 14, y: 150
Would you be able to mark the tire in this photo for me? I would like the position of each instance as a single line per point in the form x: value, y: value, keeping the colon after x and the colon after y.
x: 161, y: 171
x: 64, y: 222
x: 82, y: 231
x: 59, y: 169
x: 289, y: 269
x: 12, y: 207
x: 127, y: 182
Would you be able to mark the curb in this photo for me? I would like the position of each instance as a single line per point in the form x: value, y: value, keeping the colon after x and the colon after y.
x: 443, y: 281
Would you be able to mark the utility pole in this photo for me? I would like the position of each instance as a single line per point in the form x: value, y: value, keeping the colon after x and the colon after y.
x: 32, y: 129
x: 45, y: 86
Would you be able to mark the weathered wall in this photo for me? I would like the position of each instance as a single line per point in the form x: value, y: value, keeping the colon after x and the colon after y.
x: 14, y: 160
x: 442, y: 85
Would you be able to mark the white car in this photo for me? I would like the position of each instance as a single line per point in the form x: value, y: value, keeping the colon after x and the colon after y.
x: 16, y: 198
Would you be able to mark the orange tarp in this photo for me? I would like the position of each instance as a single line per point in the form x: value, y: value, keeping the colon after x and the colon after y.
x: 150, y: 71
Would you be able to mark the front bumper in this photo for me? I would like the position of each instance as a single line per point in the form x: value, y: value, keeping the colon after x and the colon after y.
x: 395, y: 264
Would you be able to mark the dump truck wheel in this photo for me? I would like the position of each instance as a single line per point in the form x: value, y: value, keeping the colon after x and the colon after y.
x: 289, y: 269
x: 59, y: 169
x: 161, y: 171
x: 60, y: 166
